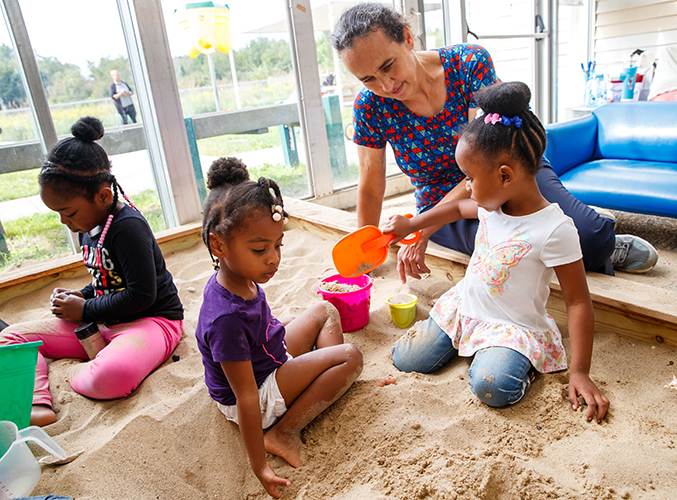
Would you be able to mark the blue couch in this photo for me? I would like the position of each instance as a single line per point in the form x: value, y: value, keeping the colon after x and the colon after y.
x: 622, y: 156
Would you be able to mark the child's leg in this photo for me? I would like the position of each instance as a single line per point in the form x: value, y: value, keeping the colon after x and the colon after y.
x: 500, y: 376
x: 309, y: 384
x: 319, y: 326
x: 58, y: 341
x: 423, y: 349
x: 314, y: 379
x: 134, y: 350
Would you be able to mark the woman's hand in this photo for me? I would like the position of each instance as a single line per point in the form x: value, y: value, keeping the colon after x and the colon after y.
x: 67, y: 304
x: 580, y: 384
x: 271, y: 481
x: 411, y: 260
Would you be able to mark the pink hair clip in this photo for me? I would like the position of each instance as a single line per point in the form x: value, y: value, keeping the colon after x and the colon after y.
x: 493, y: 118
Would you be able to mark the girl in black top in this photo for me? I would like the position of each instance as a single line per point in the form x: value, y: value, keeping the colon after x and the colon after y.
x: 132, y: 297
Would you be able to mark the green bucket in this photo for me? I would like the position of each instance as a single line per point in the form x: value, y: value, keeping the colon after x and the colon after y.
x: 17, y: 378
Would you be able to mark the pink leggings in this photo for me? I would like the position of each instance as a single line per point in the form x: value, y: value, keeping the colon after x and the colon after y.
x: 132, y: 351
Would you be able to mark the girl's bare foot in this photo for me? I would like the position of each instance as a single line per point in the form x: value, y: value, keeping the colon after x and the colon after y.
x: 42, y: 415
x: 287, y: 446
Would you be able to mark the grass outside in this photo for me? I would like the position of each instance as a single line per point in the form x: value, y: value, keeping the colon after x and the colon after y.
x: 41, y: 236
x: 15, y: 185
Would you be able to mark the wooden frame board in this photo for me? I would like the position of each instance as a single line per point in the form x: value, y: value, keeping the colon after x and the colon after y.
x: 628, y: 308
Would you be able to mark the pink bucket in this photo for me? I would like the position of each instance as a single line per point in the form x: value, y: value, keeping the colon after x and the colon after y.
x: 353, y: 306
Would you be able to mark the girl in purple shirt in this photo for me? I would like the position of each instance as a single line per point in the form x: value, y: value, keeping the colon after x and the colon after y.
x: 262, y: 374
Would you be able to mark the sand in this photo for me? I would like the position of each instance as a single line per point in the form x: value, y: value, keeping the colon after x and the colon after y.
x: 422, y: 437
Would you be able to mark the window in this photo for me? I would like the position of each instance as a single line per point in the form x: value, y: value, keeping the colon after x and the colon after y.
x: 242, y: 103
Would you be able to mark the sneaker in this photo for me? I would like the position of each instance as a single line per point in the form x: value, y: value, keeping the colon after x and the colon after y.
x: 633, y: 254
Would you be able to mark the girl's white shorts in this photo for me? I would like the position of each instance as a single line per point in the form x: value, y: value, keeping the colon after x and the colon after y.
x: 270, y: 399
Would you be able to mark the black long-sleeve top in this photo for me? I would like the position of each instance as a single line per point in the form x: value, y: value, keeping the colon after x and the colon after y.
x: 130, y: 279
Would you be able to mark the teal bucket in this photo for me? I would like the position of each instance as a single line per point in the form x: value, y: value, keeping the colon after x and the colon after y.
x: 17, y: 378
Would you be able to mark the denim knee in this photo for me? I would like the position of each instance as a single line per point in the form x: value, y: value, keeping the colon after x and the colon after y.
x: 500, y: 376
x: 423, y: 349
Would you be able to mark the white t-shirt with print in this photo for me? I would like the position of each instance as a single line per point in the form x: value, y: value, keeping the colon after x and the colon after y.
x: 501, y: 300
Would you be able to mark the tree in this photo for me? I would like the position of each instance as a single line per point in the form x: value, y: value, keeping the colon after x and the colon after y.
x: 263, y: 58
x: 63, y: 82
x: 12, y: 94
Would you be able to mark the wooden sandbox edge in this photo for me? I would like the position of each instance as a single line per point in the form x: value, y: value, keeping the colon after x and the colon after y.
x: 627, y: 308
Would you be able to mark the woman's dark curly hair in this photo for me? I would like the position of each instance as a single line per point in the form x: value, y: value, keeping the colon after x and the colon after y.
x: 363, y: 19
x: 234, y: 199
x: 78, y: 166
x: 526, y: 142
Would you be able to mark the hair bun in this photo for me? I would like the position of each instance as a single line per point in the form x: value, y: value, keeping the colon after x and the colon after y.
x: 506, y: 98
x: 226, y: 171
x: 88, y: 129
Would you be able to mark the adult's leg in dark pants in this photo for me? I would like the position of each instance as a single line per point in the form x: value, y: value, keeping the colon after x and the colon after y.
x: 596, y: 233
x: 131, y: 112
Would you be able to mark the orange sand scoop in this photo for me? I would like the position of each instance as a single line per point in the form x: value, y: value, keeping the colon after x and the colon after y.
x: 363, y: 250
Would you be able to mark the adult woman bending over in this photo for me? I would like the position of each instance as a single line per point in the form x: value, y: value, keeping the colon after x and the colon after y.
x: 418, y: 101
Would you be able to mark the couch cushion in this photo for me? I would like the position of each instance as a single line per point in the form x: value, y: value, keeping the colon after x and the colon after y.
x: 628, y: 185
x: 571, y: 143
x: 637, y: 131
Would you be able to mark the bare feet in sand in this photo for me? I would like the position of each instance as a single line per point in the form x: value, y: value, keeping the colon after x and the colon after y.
x: 287, y: 446
x: 42, y: 415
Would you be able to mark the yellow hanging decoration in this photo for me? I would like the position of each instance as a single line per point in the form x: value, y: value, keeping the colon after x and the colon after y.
x: 206, y: 26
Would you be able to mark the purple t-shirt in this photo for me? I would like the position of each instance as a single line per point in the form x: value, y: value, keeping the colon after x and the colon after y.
x: 230, y: 328
x: 425, y: 146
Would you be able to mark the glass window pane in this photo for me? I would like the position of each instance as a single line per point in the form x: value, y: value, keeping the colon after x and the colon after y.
x: 230, y: 89
x: 28, y: 231
x: 572, y: 51
x: 81, y: 51
x: 512, y: 57
x: 434, y: 24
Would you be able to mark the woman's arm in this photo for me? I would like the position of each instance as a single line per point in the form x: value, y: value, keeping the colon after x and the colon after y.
x: 240, y: 375
x: 581, y: 321
x: 371, y: 185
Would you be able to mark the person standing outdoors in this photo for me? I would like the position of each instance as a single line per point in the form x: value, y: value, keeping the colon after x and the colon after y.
x: 121, y: 93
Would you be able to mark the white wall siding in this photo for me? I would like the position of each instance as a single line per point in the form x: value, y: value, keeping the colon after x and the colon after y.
x: 621, y: 26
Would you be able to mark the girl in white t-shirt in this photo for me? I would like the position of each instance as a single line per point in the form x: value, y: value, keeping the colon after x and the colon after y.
x: 497, y: 312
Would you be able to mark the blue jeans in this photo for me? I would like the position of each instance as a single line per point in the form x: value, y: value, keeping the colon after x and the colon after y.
x: 46, y: 497
x: 499, y: 376
x: 595, y: 233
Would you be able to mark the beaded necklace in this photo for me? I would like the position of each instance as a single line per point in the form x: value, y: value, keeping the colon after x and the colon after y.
x: 99, y: 246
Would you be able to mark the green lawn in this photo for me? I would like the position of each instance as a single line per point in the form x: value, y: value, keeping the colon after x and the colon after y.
x: 19, y: 184
x: 40, y: 236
